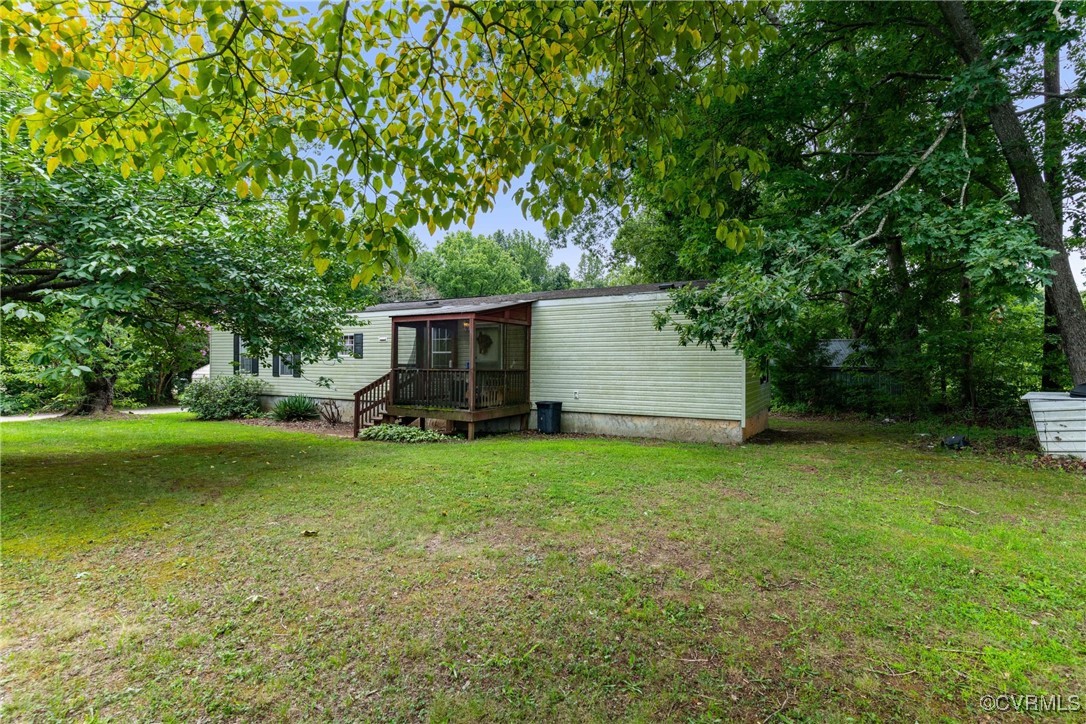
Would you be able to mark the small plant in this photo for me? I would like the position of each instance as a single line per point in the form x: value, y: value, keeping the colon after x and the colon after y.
x: 330, y: 412
x: 401, y: 433
x: 224, y: 398
x: 294, y: 408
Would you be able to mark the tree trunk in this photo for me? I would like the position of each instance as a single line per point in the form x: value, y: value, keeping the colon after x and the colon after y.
x: 899, y: 272
x: 1053, y: 367
x: 1052, y: 356
x: 965, y: 309
x: 99, y: 394
x: 1035, y: 196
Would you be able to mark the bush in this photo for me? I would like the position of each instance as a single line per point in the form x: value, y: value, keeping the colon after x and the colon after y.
x: 224, y: 398
x: 330, y: 412
x: 294, y: 408
x: 401, y: 433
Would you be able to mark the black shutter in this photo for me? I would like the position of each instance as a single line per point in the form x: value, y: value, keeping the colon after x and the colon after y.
x: 237, y: 353
x: 256, y: 366
x: 296, y: 365
x: 275, y: 364
x: 358, y: 345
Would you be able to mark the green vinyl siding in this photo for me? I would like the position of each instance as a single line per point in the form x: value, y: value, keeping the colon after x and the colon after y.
x: 607, y: 351
x: 758, y: 392
x: 604, y: 349
x: 347, y: 374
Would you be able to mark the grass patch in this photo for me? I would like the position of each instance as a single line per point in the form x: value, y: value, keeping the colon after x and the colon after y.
x: 156, y: 569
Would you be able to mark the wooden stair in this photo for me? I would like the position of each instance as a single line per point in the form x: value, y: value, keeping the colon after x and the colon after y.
x: 371, y: 404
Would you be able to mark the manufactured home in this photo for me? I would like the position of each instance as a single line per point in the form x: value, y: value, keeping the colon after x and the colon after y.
x: 482, y: 363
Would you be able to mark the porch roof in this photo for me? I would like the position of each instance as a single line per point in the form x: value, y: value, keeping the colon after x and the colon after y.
x: 456, y: 307
x: 505, y: 300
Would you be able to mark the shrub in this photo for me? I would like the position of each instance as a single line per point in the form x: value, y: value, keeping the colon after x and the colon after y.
x: 294, y: 408
x: 401, y: 433
x: 330, y: 412
x: 224, y: 398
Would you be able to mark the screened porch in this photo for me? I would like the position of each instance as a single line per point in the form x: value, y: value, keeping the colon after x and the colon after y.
x: 468, y: 364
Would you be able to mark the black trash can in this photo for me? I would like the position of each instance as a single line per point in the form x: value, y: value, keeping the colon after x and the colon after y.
x: 549, y: 417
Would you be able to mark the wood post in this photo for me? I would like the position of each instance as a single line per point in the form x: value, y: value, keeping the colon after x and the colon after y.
x: 471, y: 374
x: 357, y: 413
x: 471, y: 431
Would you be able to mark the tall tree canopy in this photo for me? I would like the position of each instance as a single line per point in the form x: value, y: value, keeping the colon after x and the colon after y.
x: 894, y: 196
x: 98, y: 260
x: 424, y: 110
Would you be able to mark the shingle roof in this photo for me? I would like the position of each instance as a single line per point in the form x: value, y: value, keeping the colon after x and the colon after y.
x: 839, y: 350
x: 442, y: 306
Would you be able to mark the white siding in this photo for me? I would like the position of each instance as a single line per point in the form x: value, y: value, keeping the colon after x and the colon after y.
x: 347, y: 375
x: 606, y: 350
x: 1060, y: 421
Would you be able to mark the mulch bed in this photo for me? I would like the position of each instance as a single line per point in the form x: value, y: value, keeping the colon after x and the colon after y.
x: 319, y: 427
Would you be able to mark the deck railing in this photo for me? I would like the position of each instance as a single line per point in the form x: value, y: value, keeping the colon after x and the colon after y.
x: 430, y: 388
x: 370, y: 399
x: 495, y: 388
x: 448, y: 388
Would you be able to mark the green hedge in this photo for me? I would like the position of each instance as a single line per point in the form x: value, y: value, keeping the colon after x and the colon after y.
x: 224, y: 398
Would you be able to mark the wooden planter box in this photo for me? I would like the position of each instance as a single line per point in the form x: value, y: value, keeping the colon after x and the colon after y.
x: 1060, y: 421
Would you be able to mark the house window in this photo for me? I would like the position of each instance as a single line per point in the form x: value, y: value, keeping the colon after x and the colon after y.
x: 351, y: 346
x: 442, y: 341
x: 286, y: 365
x: 244, y: 363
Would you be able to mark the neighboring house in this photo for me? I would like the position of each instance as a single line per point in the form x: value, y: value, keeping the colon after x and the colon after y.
x: 846, y: 367
x: 482, y: 362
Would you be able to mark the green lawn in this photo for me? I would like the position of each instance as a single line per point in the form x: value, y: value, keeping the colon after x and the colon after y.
x: 156, y: 569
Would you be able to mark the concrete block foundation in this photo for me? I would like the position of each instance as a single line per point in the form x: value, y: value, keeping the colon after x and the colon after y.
x: 679, y: 429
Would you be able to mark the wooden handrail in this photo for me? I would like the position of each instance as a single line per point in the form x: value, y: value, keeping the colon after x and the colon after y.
x: 371, y: 397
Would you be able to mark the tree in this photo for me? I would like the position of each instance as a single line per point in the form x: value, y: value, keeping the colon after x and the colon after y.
x: 465, y: 265
x: 533, y: 256
x: 421, y: 111
x: 111, y: 267
x: 116, y: 260
x: 887, y: 202
x: 1039, y: 198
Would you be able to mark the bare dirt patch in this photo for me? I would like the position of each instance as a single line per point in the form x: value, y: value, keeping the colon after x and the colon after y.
x: 319, y: 427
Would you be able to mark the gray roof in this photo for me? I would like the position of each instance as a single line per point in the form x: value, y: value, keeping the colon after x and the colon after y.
x: 482, y: 304
x: 839, y: 350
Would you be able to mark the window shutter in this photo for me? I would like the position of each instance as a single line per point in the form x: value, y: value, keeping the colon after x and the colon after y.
x: 237, y: 353
x: 296, y: 365
x: 358, y: 345
x: 275, y: 364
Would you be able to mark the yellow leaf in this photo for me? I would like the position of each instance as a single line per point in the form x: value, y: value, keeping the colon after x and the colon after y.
x: 321, y: 264
x: 93, y: 81
x: 51, y: 164
x: 13, y: 127
x: 196, y: 42
x: 106, y: 80
x: 158, y: 173
x: 256, y: 189
x: 243, y: 188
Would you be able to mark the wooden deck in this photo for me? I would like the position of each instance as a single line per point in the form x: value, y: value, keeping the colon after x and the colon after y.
x: 469, y: 365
